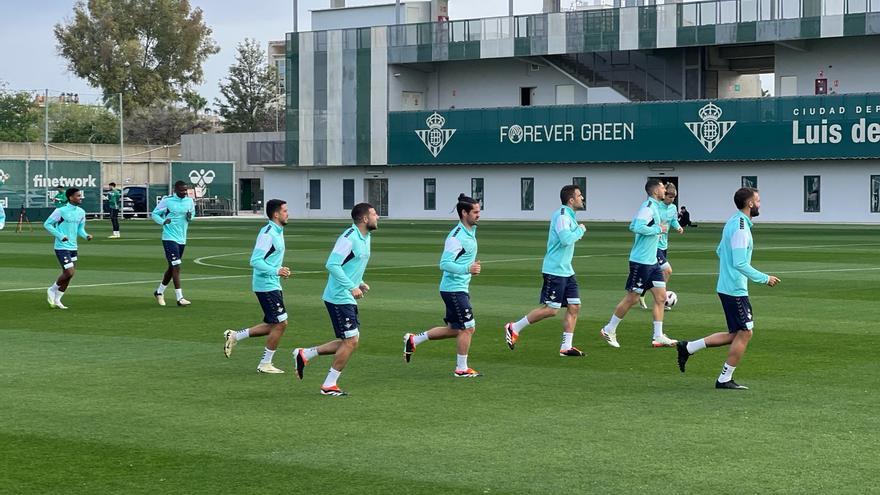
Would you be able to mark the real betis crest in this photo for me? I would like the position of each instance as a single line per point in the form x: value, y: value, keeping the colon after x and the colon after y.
x: 710, y: 131
x: 435, y: 136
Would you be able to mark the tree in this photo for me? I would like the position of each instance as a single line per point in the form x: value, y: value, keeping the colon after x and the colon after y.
x: 249, y: 92
x: 161, y: 123
x: 148, y: 50
x: 71, y: 123
x: 19, y: 117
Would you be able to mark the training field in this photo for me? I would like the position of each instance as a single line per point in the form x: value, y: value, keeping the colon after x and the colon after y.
x: 119, y: 395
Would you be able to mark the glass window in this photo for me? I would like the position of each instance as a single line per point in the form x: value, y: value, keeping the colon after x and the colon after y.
x: 875, y: 194
x: 347, y: 194
x: 314, y: 194
x: 430, y: 194
x: 750, y: 181
x: 527, y: 193
x: 477, y: 191
x: 811, y: 193
x: 581, y: 182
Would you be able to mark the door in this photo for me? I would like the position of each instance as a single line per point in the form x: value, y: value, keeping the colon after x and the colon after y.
x: 245, y: 195
x: 376, y: 192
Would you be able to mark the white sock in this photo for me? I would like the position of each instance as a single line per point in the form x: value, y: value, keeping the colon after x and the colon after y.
x: 420, y: 338
x: 726, y: 373
x: 611, y: 327
x: 658, y: 329
x: 310, y: 353
x: 54, y: 287
x: 267, y: 356
x: 519, y: 325
x: 178, y: 293
x: 566, y: 341
x: 242, y: 334
x: 115, y: 232
x: 332, y: 376
x: 161, y: 288
x: 696, y: 345
x: 58, y: 295
x: 461, y: 362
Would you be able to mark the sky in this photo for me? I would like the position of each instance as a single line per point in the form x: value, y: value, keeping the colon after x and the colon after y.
x: 35, y: 64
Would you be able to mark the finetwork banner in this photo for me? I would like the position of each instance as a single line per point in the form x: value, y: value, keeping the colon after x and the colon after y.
x: 818, y: 127
x: 31, y: 183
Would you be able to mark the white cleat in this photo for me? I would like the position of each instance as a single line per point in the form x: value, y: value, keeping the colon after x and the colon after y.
x: 183, y: 302
x: 642, y: 302
x: 160, y: 298
x: 59, y: 305
x: 230, y: 341
x: 268, y: 368
x: 611, y: 338
x: 50, y: 296
x: 663, y: 341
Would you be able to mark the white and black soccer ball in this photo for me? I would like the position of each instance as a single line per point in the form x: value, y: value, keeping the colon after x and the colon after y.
x: 671, y: 298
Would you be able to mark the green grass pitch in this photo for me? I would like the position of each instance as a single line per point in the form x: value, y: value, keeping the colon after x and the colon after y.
x: 119, y: 395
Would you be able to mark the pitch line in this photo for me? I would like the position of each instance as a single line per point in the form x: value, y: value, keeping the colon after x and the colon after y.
x: 153, y: 281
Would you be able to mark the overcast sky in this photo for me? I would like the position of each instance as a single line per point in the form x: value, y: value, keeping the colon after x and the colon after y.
x: 29, y: 60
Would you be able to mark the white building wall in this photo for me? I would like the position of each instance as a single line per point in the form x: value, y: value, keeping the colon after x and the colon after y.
x: 613, y: 191
x: 848, y: 61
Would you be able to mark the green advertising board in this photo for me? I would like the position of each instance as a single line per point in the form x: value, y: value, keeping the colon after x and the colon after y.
x: 31, y: 182
x: 818, y: 127
x: 209, y: 179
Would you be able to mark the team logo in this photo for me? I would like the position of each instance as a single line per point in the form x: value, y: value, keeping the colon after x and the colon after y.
x: 435, y: 137
x: 3, y: 177
x: 201, y: 178
x: 710, y: 131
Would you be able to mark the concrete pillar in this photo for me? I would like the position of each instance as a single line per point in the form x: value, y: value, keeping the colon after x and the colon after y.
x: 551, y: 6
x: 337, y: 4
x: 439, y: 10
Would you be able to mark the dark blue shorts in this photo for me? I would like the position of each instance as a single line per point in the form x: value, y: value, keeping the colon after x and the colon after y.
x: 173, y: 252
x: 459, y: 312
x: 66, y: 257
x: 644, y: 278
x: 559, y: 291
x: 272, y: 303
x: 662, y: 257
x: 737, y: 311
x: 344, y: 318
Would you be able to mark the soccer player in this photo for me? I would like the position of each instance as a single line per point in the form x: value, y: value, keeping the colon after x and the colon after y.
x: 560, y: 285
x: 114, y: 201
x: 2, y: 217
x: 60, y: 198
x: 66, y: 223
x: 458, y: 263
x: 345, y: 285
x: 735, y: 258
x: 174, y: 213
x: 668, y: 215
x: 266, y: 260
x: 644, y: 271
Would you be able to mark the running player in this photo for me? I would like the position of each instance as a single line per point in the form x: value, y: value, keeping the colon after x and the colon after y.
x: 458, y: 263
x: 669, y: 215
x: 66, y: 223
x: 174, y: 213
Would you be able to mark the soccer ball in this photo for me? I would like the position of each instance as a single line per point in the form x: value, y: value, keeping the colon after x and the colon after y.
x: 671, y: 298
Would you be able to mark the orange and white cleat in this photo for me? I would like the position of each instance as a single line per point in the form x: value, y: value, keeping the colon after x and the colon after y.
x: 571, y: 352
x: 510, y: 336
x: 332, y: 391
x: 468, y: 373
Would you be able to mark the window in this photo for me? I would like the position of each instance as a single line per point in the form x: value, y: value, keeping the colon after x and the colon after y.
x: 430, y: 194
x: 581, y: 182
x: 811, y: 193
x: 527, y: 193
x: 315, y: 194
x: 525, y: 96
x: 347, y: 194
x: 875, y: 194
x: 477, y: 191
x: 750, y: 181
x: 265, y: 152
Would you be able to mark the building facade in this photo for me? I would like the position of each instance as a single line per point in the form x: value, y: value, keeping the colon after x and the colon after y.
x: 510, y: 109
